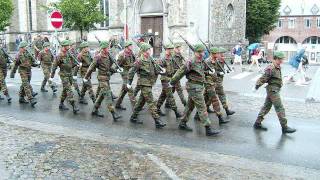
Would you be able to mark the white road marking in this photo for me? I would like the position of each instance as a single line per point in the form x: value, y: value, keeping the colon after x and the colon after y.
x: 241, y: 75
x: 256, y: 77
x: 164, y: 167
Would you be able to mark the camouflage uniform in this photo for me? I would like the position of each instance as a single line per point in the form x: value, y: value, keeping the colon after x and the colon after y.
x: 103, y: 63
x: 24, y: 61
x: 166, y: 93
x: 75, y: 84
x: 272, y: 76
x: 46, y: 58
x: 126, y: 61
x: 86, y: 60
x: 39, y: 44
x: 66, y: 65
x: 3, y: 73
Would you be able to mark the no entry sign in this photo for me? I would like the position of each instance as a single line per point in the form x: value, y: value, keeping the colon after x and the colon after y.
x: 56, y: 19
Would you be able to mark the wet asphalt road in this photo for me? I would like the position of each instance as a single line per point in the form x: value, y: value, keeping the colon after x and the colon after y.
x: 237, y: 138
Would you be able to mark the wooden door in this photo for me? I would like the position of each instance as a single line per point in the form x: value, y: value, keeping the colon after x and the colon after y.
x: 153, y: 24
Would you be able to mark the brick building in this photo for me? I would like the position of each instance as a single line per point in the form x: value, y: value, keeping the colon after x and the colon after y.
x: 221, y: 21
x: 298, y: 26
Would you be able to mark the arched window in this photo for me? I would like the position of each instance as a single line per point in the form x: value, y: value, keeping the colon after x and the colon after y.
x: 230, y: 15
x: 312, y: 40
x: 286, y: 40
x: 154, y: 6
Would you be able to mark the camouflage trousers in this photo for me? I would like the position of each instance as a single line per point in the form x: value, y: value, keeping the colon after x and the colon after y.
x: 3, y: 84
x: 221, y: 94
x: 86, y: 86
x: 46, y: 69
x: 196, y: 99
x: 25, y: 88
x: 273, y: 98
x: 124, y: 90
x: 67, y: 92
x: 211, y: 98
x: 104, y: 93
x: 166, y: 94
x: 136, y: 91
x: 146, y: 96
x: 177, y: 87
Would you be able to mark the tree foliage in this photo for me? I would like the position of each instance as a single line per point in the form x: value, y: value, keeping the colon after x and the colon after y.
x: 80, y: 15
x: 6, y: 9
x: 261, y: 18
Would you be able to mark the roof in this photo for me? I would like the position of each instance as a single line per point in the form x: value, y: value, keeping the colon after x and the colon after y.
x: 299, y: 8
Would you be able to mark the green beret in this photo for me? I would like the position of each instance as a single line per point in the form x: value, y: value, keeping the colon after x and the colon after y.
x: 46, y: 44
x: 214, y: 50
x: 222, y: 50
x: 199, y: 48
x: 104, y: 44
x: 176, y: 45
x: 169, y: 46
x: 65, y: 43
x: 145, y: 46
x: 278, y: 55
x: 23, y: 44
x: 84, y: 45
x: 128, y: 43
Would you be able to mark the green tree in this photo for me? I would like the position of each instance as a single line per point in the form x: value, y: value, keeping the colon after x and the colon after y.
x: 6, y: 8
x: 261, y: 18
x: 80, y: 15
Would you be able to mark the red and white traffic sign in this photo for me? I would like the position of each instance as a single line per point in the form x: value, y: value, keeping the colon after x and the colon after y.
x: 56, y: 19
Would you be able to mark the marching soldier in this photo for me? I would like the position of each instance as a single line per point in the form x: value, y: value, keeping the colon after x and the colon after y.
x: 147, y: 72
x: 4, y: 63
x: 194, y: 70
x: 273, y: 77
x: 103, y: 63
x: 178, y: 62
x: 211, y: 97
x: 38, y: 45
x: 46, y: 59
x: 66, y: 65
x: 166, y: 93
x: 24, y: 61
x: 85, y: 60
x: 126, y: 60
x: 72, y: 51
x: 219, y: 85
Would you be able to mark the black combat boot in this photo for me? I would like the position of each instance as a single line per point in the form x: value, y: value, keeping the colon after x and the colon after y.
x: 9, y: 99
x: 159, y: 124
x: 34, y: 94
x: 210, y: 132
x: 82, y: 100
x: 288, y: 129
x: 221, y: 120
x: 97, y: 113
x: 259, y: 126
x: 23, y: 101
x: 120, y: 107
x: 229, y: 112
x: 177, y: 113
x: 183, y: 126
x: 75, y: 109
x: 33, y: 102
x: 115, y: 116
x: 62, y: 107
x: 135, y: 120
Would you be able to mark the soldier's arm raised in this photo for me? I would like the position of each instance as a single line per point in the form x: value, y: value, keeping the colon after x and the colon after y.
x: 91, y: 68
x: 179, y: 74
x: 55, y: 66
x: 16, y: 64
x: 133, y: 71
x: 264, y: 78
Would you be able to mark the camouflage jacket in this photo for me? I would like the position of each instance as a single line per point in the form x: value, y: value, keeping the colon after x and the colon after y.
x: 3, y: 60
x: 168, y: 64
x: 211, y: 79
x: 126, y: 61
x: 24, y: 61
x: 38, y: 43
x: 66, y: 64
x: 46, y: 58
x: 103, y: 63
x: 194, y: 71
x: 85, y: 59
x: 146, y: 70
x: 273, y: 77
x: 178, y: 61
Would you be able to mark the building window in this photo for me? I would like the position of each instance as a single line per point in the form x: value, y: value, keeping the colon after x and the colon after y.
x: 312, y: 40
x: 318, y: 22
x: 104, y: 8
x: 307, y: 23
x: 280, y: 23
x: 30, y: 15
x: 286, y: 40
x: 291, y: 23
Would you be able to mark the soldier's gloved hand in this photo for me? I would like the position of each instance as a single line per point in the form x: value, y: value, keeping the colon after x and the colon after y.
x: 129, y: 86
x: 120, y: 70
x: 11, y: 75
x: 85, y: 80
x: 221, y: 73
x: 212, y: 72
x: 255, y: 89
x: 74, y: 77
x: 80, y: 64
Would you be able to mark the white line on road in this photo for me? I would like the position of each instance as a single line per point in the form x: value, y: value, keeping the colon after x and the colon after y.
x: 256, y: 78
x: 164, y: 167
x: 241, y: 75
